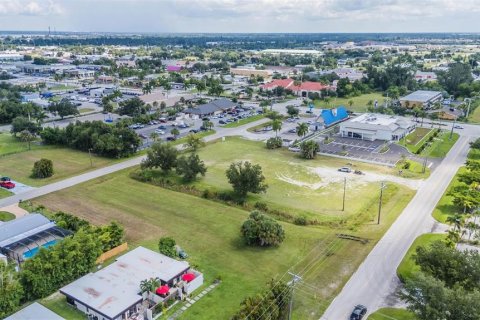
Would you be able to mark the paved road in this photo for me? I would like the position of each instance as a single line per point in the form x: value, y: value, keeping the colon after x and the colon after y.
x: 37, y: 192
x: 375, y: 281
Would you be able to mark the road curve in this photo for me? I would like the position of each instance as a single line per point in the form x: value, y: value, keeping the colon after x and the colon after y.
x: 375, y: 281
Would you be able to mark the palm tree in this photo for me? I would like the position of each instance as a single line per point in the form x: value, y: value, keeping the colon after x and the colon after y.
x: 350, y: 103
x: 276, y: 126
x: 27, y: 136
x: 40, y: 117
x: 302, y: 129
x: 207, y: 124
x: 457, y: 220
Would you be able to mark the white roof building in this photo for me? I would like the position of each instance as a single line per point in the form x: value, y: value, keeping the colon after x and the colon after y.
x: 370, y: 126
x: 35, y: 311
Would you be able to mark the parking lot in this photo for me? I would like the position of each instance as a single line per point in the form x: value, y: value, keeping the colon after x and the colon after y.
x: 370, y: 151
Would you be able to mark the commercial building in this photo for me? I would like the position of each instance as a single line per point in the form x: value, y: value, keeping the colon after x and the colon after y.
x: 372, y: 127
x: 114, y: 292
x: 213, y: 107
x: 301, y: 89
x: 246, y: 71
x: 421, y: 99
x: 21, y: 238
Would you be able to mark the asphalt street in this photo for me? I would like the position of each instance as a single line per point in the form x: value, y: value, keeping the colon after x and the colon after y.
x: 375, y: 282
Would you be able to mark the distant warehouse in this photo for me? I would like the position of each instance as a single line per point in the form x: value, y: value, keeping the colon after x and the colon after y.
x: 372, y: 127
x: 421, y: 99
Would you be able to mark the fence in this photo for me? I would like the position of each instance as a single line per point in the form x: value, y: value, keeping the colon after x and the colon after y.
x: 112, y: 252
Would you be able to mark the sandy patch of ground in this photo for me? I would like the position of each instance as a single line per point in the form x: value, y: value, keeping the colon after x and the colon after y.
x: 15, y: 209
x: 328, y: 176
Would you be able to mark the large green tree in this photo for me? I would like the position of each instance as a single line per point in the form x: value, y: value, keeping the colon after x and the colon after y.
x: 63, y: 108
x: 190, y: 167
x: 161, y: 155
x: 457, y: 74
x: 11, y: 291
x: 261, y: 230
x: 246, y: 177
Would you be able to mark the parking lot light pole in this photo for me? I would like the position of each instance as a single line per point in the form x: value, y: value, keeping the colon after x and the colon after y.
x: 382, y: 186
x: 344, y: 190
x: 453, y: 126
x: 90, y: 155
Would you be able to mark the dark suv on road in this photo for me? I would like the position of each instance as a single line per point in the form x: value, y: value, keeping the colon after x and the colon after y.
x: 358, y: 312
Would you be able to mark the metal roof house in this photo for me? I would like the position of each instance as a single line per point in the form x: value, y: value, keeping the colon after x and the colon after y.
x: 114, y: 292
x: 21, y: 238
x: 372, y: 127
x: 35, y: 311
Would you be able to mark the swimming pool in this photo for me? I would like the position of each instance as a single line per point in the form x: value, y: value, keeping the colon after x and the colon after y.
x: 30, y: 253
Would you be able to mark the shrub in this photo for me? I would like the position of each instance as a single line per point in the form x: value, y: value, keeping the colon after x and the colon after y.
x: 300, y: 221
x: 274, y: 143
x: 42, y: 168
x: 262, y: 230
x: 166, y: 246
x: 261, y: 206
x: 406, y: 165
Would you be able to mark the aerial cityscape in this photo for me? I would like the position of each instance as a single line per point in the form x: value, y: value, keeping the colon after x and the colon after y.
x: 239, y: 159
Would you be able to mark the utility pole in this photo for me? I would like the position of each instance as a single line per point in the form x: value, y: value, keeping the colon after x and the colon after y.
x: 424, y: 164
x: 344, y: 190
x: 468, y: 108
x: 451, y: 131
x: 382, y: 186
x: 90, y: 155
x: 296, y: 278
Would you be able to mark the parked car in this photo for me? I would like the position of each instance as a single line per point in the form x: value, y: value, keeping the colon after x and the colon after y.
x: 141, y: 135
x: 457, y: 126
x: 162, y: 127
x: 5, y: 179
x: 345, y: 169
x: 222, y: 122
x: 159, y: 131
x: 7, y: 184
x: 172, y: 138
x: 163, y: 120
x: 294, y: 130
x: 358, y: 312
x: 194, y: 131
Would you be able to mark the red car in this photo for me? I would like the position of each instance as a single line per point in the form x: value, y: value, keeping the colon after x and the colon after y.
x: 7, y: 184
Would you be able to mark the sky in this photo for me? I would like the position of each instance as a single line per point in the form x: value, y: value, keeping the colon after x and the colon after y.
x: 219, y: 16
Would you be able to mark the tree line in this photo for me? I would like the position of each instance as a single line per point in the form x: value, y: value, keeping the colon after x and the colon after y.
x: 113, y: 141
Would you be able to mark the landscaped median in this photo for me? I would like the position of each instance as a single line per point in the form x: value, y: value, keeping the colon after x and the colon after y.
x: 241, y: 122
x: 429, y: 142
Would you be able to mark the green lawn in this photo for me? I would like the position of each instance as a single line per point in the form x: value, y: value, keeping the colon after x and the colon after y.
x: 296, y: 186
x: 475, y: 115
x: 209, y: 231
x: 241, y: 122
x: 58, y: 304
x: 66, y: 163
x: 6, y: 216
x: 62, y: 87
x: 414, y: 171
x: 85, y: 110
x: 392, y: 314
x: 359, y: 103
x: 441, y: 145
x: 9, y: 144
x: 445, y: 206
x: 408, y: 267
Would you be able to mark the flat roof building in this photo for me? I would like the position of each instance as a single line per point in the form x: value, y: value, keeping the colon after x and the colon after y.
x: 213, y: 107
x: 35, y: 311
x: 421, y: 99
x: 371, y: 126
x: 114, y: 292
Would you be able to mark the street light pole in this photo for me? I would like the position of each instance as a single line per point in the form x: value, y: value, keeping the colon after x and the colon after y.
x: 344, y: 191
x: 382, y: 186
x: 295, y: 279
x: 451, y: 131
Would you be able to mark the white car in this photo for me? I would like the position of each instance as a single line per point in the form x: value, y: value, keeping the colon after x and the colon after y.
x: 160, y: 131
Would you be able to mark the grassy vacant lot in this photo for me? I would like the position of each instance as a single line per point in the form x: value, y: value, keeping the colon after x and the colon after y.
x: 209, y: 231
x: 9, y: 144
x: 297, y: 186
x: 408, y: 267
x: 85, y: 110
x: 241, y: 122
x: 392, y: 313
x: 6, y: 216
x: 445, y: 206
x: 66, y: 163
x: 359, y: 103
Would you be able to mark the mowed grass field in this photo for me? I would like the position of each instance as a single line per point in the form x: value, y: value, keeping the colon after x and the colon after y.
x: 16, y: 161
x: 312, y: 188
x: 359, y: 103
x: 445, y: 206
x: 392, y: 313
x: 210, y: 231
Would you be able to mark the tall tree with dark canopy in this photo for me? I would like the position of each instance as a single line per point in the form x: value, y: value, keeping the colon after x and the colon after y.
x: 161, y: 155
x: 245, y: 177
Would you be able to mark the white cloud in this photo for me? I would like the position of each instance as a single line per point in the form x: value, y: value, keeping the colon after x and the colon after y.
x: 29, y: 7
